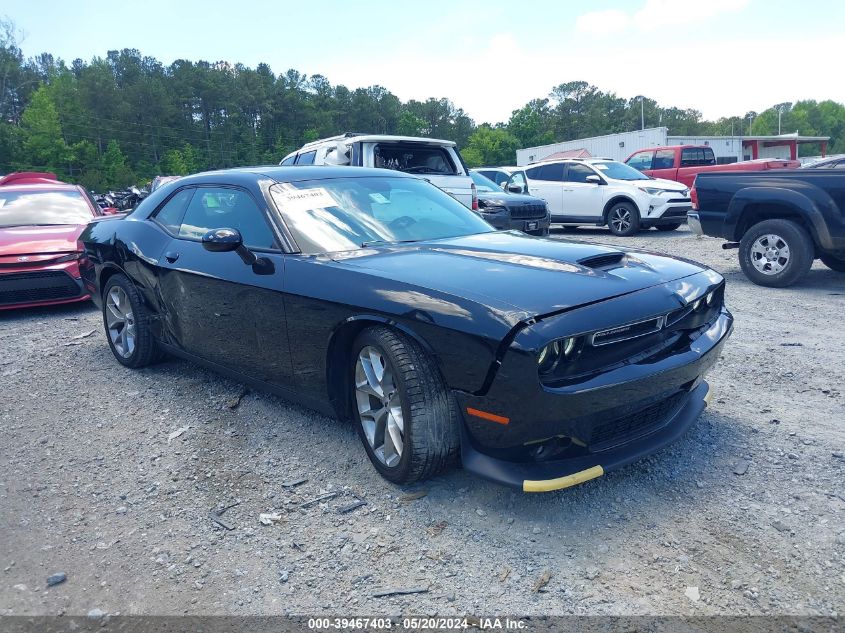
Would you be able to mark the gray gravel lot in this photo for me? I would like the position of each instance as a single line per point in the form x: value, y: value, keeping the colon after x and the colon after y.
x: 744, y: 515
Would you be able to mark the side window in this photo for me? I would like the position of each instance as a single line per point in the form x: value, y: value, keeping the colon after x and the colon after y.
x: 288, y: 161
x: 709, y: 156
x: 641, y: 161
x: 663, y: 159
x: 578, y: 173
x: 549, y: 173
x: 218, y: 208
x: 171, y: 214
x: 692, y: 157
x: 307, y: 158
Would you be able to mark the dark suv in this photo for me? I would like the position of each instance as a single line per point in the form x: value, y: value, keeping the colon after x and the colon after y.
x: 509, y: 210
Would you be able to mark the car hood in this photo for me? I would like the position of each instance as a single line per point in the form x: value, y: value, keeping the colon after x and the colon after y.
x: 507, y: 268
x: 504, y: 199
x: 662, y: 183
x: 30, y: 240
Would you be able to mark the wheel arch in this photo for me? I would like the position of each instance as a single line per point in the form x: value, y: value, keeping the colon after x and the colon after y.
x: 756, y: 204
x: 337, y: 355
x: 614, y: 201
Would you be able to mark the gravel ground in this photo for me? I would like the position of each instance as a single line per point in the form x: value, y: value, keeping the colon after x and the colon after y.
x: 111, y: 476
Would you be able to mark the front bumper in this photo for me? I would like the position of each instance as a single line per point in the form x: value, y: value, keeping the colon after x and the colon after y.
x: 534, y: 226
x: 673, y: 213
x: 597, y: 424
x: 564, y: 473
x: 26, y: 287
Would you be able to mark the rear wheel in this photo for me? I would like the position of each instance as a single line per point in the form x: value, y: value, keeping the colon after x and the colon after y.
x: 126, y: 320
x: 834, y: 263
x: 668, y: 227
x: 623, y: 219
x: 404, y: 413
x: 776, y: 253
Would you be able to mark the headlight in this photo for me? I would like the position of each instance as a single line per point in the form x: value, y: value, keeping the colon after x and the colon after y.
x: 68, y: 258
x: 652, y: 191
x: 711, y: 298
x: 556, y: 351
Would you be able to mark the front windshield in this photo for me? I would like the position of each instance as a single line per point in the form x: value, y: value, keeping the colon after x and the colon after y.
x: 483, y: 183
x: 26, y: 208
x: 619, y: 171
x: 342, y: 214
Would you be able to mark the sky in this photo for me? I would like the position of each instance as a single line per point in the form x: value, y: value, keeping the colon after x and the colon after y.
x: 721, y: 57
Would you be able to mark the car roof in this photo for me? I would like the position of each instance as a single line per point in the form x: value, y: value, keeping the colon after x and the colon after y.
x: 374, y: 138
x: 291, y: 173
x: 45, y: 187
x: 589, y: 161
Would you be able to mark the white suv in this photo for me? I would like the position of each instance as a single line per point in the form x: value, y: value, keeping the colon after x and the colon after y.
x: 600, y: 191
x: 434, y: 160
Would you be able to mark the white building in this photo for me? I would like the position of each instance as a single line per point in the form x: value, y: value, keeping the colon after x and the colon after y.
x: 728, y: 149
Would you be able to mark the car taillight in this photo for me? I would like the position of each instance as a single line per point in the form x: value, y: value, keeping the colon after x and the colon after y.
x: 474, y: 197
x: 693, y: 196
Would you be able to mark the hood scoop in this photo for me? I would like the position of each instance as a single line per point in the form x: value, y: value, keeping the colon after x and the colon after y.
x: 603, y: 260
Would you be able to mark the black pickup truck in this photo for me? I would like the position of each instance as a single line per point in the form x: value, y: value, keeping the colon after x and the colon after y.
x: 780, y: 220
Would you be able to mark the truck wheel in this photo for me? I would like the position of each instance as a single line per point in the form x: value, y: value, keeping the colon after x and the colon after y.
x: 832, y: 262
x: 668, y: 227
x: 623, y: 219
x: 776, y: 253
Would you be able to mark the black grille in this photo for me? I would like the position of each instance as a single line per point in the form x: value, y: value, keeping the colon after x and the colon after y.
x: 524, y: 211
x: 36, y: 286
x: 677, y: 212
x: 652, y: 418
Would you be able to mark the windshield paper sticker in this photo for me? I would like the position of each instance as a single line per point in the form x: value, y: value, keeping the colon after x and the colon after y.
x: 379, y: 198
x: 600, y: 166
x: 294, y: 200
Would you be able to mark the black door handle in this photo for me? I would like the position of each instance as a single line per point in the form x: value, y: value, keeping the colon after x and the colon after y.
x: 172, y: 256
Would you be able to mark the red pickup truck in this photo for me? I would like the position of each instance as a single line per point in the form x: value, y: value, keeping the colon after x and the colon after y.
x: 683, y: 162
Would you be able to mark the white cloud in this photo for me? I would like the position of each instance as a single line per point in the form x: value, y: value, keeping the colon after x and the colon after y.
x: 603, y: 22
x: 656, y: 14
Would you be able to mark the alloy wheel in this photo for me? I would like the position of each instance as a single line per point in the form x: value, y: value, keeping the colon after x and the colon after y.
x: 120, y: 321
x: 379, y: 406
x: 770, y: 254
x: 621, y: 219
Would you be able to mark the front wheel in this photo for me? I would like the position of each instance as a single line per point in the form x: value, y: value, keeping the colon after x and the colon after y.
x: 834, y: 263
x: 623, y: 219
x: 404, y: 413
x: 776, y: 253
x: 668, y: 227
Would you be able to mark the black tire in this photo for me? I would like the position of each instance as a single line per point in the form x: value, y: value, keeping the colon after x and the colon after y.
x: 834, y: 263
x: 431, y: 434
x: 795, y: 266
x: 623, y: 219
x: 668, y: 227
x: 145, y: 350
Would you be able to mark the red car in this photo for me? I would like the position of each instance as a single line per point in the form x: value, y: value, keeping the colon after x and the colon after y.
x: 40, y: 222
x: 683, y: 163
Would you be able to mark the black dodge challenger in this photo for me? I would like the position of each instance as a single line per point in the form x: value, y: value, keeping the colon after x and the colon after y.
x: 374, y: 296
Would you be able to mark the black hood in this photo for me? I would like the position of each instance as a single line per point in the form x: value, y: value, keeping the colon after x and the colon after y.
x: 508, y: 268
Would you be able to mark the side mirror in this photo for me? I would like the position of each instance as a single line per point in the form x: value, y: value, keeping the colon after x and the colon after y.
x: 222, y: 240
x: 594, y: 179
x: 515, y: 189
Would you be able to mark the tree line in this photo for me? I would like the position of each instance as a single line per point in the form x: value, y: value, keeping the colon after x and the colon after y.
x: 124, y: 118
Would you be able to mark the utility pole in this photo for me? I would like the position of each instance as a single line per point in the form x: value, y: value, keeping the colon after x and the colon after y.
x: 642, y: 114
x: 780, y: 111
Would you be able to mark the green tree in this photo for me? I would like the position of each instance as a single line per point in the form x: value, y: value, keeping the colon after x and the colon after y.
x: 116, y: 172
x: 43, y: 146
x: 490, y: 146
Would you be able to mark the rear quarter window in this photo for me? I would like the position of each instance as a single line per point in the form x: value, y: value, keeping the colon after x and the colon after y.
x: 415, y: 159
